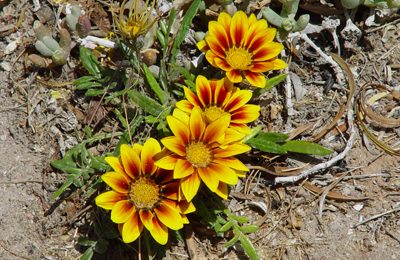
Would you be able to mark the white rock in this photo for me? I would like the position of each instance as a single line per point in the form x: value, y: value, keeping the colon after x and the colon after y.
x: 11, y: 47
x: 358, y: 206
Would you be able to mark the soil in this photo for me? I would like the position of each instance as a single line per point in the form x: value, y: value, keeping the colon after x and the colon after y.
x: 36, y: 128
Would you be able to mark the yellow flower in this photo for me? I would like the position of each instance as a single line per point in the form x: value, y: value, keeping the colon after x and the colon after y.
x: 219, y: 97
x: 242, y: 46
x: 202, y: 152
x: 138, y: 21
x: 142, y: 194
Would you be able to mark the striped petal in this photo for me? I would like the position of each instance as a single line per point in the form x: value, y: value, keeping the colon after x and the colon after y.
x: 222, y: 64
x: 169, y: 215
x: 108, y: 199
x: 132, y: 228
x: 203, y: 90
x: 238, y: 99
x: 191, y: 97
x: 182, y: 169
x: 183, y: 116
x: 197, y: 124
x: 167, y: 162
x: 186, y: 207
x: 190, y: 185
x: 279, y: 64
x: 232, y: 136
x: 225, y: 20
x: 184, y: 105
x: 245, y: 114
x: 159, y: 232
x: 258, y: 35
x: 262, y: 66
x: 216, y: 129
x: 150, y: 148
x: 130, y: 160
x: 232, y: 162
x: 202, y: 45
x: 171, y: 190
x: 223, y: 173
x: 208, y: 176
x: 146, y: 217
x: 214, y: 45
x: 239, y: 27
x: 256, y: 79
x: 234, y: 76
x: 117, y: 166
x: 231, y: 150
x: 174, y: 144
x: 218, y: 31
x: 179, y: 129
x: 116, y: 181
x: 121, y: 211
x: 267, y: 51
x: 211, y: 56
x: 222, y: 190
x: 223, y: 91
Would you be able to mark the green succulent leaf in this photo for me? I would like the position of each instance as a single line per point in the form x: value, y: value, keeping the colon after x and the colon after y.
x: 305, y: 147
x: 248, y: 247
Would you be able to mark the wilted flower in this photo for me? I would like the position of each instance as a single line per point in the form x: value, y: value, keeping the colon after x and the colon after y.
x: 219, y: 97
x: 138, y: 21
x: 142, y: 194
x: 243, y: 47
x: 202, y: 152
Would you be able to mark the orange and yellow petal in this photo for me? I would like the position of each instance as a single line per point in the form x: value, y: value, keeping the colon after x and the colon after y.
x: 208, y: 176
x: 190, y: 185
x: 202, y: 45
x: 116, y: 181
x: 169, y: 215
x: 256, y: 79
x: 203, y: 90
x: 186, y: 207
x: 174, y: 144
x: 108, y: 199
x: 117, y: 166
x: 233, y: 135
x: 150, y: 148
x: 121, y: 211
x: 183, y: 168
x: 223, y: 173
x: 232, y: 162
x: 183, y: 116
x: 234, y: 76
x: 167, y: 162
x: 179, y: 129
x: 238, y: 28
x: 246, y: 114
x: 214, y: 45
x: 223, y: 91
x: 216, y: 129
x: 222, y: 190
x: 184, y: 105
x: 238, y: 99
x: 279, y: 64
x: 216, y: 30
x: 231, y: 150
x: 224, y: 19
x: 159, y: 232
x: 132, y: 228
x: 211, y: 56
x: 191, y: 97
x: 197, y: 124
x: 146, y: 217
x: 267, y: 51
x: 222, y: 64
x: 171, y: 190
x: 130, y: 161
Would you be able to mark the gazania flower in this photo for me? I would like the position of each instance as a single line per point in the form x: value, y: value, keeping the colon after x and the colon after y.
x: 142, y: 194
x: 138, y: 21
x: 219, y: 97
x: 243, y: 47
x: 202, y: 152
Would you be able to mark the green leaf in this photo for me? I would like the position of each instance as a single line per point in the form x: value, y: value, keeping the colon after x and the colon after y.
x: 305, y: 147
x: 184, y: 27
x: 88, y: 254
x: 248, y: 247
x: 148, y: 104
x: 101, y: 246
x: 70, y: 179
x: 232, y: 241
x: 87, y: 85
x: 163, y: 96
x: 249, y: 229
x: 271, y: 82
x: 226, y: 227
x: 90, y: 62
x: 273, y: 137
x: 253, y: 133
x: 94, y: 92
x: 266, y: 146
x: 240, y: 219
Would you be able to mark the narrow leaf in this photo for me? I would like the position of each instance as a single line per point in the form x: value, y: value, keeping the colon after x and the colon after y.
x: 163, y: 96
x: 232, y: 241
x: 266, y: 146
x: 305, y: 147
x: 248, y: 247
x: 273, y: 137
x: 226, y: 227
x: 249, y: 229
x: 184, y: 28
x: 148, y: 104
x: 275, y: 81
x: 89, y: 61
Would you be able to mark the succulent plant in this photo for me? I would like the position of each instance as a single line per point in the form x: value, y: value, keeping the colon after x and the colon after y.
x: 49, y: 47
x: 286, y: 19
x: 350, y: 4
